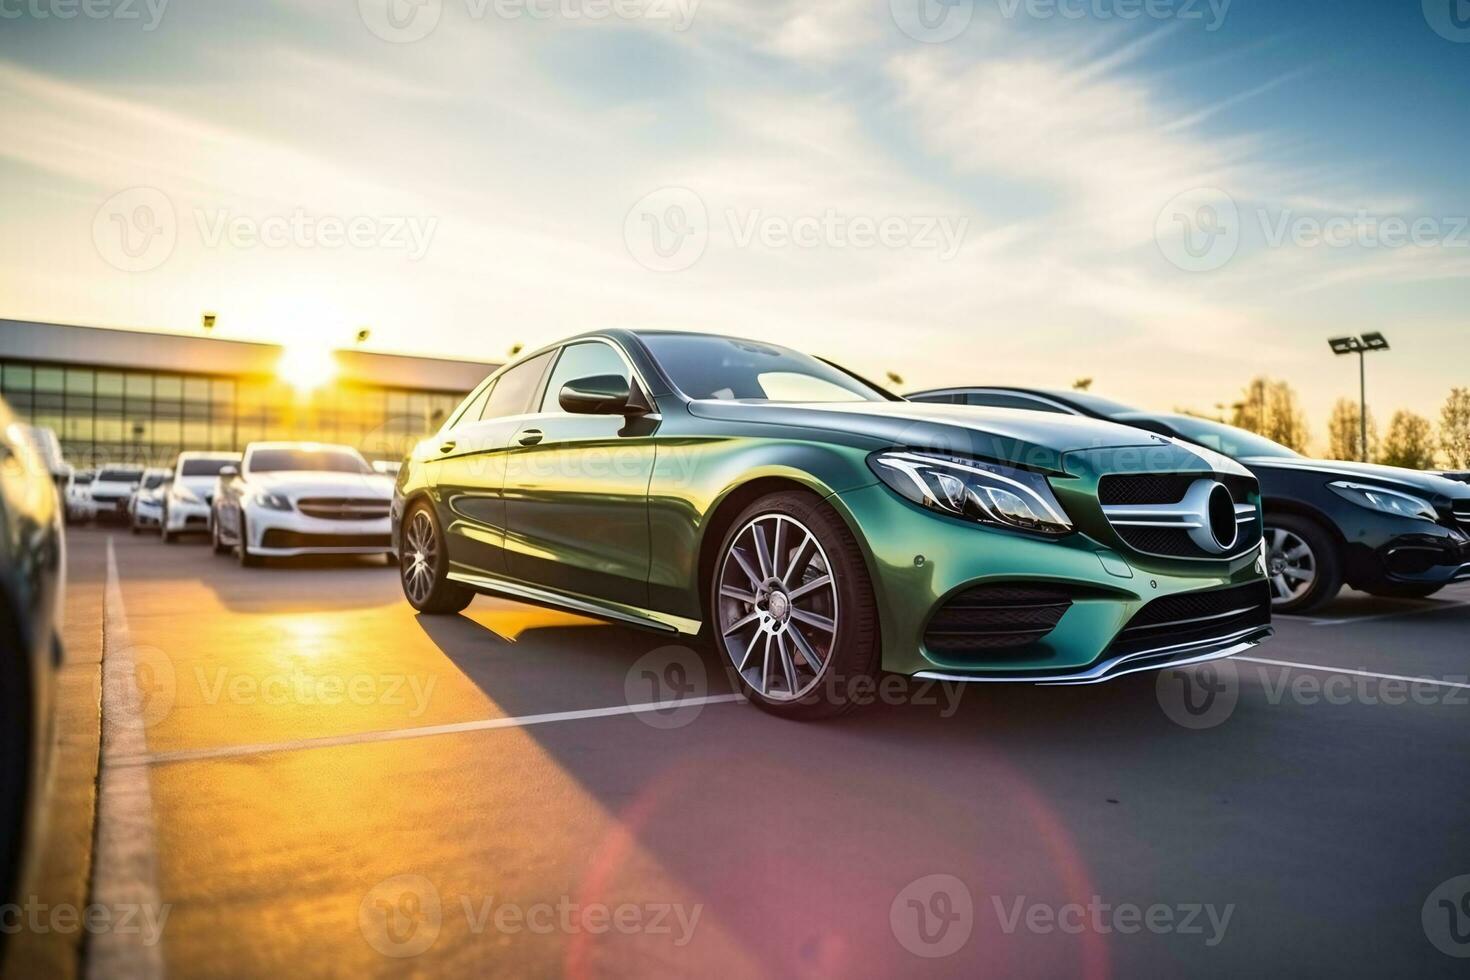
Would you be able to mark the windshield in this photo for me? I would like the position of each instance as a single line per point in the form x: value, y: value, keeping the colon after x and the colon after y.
x: 316, y: 460
x: 1226, y: 439
x: 726, y: 369
x: 120, y: 476
x: 153, y: 480
x: 204, y: 467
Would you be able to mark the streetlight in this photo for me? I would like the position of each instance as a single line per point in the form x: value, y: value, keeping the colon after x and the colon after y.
x: 1366, y: 344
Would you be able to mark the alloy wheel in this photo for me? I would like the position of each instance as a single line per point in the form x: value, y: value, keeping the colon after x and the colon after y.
x: 419, y: 558
x: 1291, y: 565
x: 777, y: 607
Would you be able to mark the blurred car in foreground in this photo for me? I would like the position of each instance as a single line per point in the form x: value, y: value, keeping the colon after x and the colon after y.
x: 819, y: 529
x: 111, y: 489
x: 300, y: 498
x: 32, y: 569
x: 1382, y: 529
x: 186, y: 506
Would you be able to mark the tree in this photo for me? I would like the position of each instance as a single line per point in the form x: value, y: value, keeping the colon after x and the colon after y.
x: 895, y: 378
x: 1410, y: 442
x: 1271, y: 409
x: 1454, y: 428
x: 1344, y: 434
x: 1082, y: 384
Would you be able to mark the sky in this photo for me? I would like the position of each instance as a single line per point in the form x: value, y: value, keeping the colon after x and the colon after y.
x: 1167, y: 196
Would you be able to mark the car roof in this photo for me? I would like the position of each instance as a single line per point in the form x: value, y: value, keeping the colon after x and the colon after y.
x: 1083, y: 400
x: 206, y: 454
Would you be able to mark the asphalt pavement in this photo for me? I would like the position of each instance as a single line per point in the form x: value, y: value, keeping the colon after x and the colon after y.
x: 299, y: 776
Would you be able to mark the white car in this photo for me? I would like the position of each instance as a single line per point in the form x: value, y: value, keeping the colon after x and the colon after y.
x: 186, y: 507
x: 300, y: 498
x: 146, y: 509
x: 79, y: 506
x: 111, y: 489
x: 153, y: 478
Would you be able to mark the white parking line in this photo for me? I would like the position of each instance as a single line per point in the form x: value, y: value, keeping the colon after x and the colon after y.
x: 1433, y: 681
x: 398, y: 734
x: 1343, y: 620
x: 125, y: 871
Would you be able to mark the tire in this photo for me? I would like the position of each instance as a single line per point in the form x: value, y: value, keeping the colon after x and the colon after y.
x: 242, y: 549
x: 1403, y: 590
x: 215, y: 544
x: 168, y: 536
x: 133, y: 526
x: 423, y: 565
x: 1297, y: 547
x: 800, y: 641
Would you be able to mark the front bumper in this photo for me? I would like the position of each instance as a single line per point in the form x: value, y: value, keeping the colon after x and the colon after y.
x: 919, y: 561
x: 187, y: 515
x: 147, y: 513
x: 284, y: 534
x: 1404, y: 551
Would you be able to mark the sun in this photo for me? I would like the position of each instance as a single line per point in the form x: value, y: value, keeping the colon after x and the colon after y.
x: 306, y: 368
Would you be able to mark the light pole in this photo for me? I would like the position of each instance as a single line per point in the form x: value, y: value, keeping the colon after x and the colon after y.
x: 1365, y: 344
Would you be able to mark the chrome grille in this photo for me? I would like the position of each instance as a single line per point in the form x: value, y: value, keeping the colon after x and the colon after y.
x: 1461, y: 511
x: 1164, y: 514
x: 343, y: 508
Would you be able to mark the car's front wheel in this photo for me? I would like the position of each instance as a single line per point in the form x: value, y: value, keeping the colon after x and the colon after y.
x: 792, y: 608
x: 242, y: 547
x: 423, y: 566
x: 215, y: 542
x: 1302, y: 564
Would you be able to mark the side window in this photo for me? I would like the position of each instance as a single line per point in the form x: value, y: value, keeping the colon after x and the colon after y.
x: 512, y: 392
x: 999, y: 400
x: 472, y: 407
x: 584, y: 360
x: 941, y: 399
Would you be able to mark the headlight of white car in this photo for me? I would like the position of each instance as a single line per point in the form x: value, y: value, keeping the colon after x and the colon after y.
x: 272, y: 501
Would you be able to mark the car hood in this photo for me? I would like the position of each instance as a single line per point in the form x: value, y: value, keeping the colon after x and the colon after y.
x: 101, y: 488
x: 1337, y: 469
x: 305, y: 483
x: 200, y: 485
x: 1037, y: 438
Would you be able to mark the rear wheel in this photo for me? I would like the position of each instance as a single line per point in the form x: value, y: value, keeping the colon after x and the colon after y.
x: 793, y: 610
x: 423, y: 566
x: 1302, y: 564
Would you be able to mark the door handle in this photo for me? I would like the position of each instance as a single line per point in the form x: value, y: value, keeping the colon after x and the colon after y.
x: 447, y: 446
x: 529, y: 437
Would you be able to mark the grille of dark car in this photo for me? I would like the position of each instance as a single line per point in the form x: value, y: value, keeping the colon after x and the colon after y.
x: 1190, y: 616
x: 280, y: 538
x: 1461, y: 511
x: 1142, y: 489
x: 343, y: 508
x: 987, y: 618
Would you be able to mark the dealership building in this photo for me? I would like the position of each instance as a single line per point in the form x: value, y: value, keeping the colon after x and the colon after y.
x: 123, y: 396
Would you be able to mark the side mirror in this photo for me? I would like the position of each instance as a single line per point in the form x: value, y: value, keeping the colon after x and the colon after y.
x: 226, y: 472
x: 603, y: 394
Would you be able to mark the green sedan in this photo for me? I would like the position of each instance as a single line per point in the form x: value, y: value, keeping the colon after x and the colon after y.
x: 818, y: 529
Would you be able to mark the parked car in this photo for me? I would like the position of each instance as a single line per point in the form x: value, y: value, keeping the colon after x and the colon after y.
x: 1382, y: 529
x: 79, y: 505
x: 112, y: 488
x: 820, y: 529
x: 48, y: 447
x: 186, y: 506
x: 387, y: 467
x: 32, y: 573
x: 148, y: 502
x: 299, y: 498
x: 153, y: 478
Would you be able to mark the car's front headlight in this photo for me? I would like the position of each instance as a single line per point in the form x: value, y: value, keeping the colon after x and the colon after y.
x: 272, y: 501
x: 974, y: 489
x: 1385, y: 501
